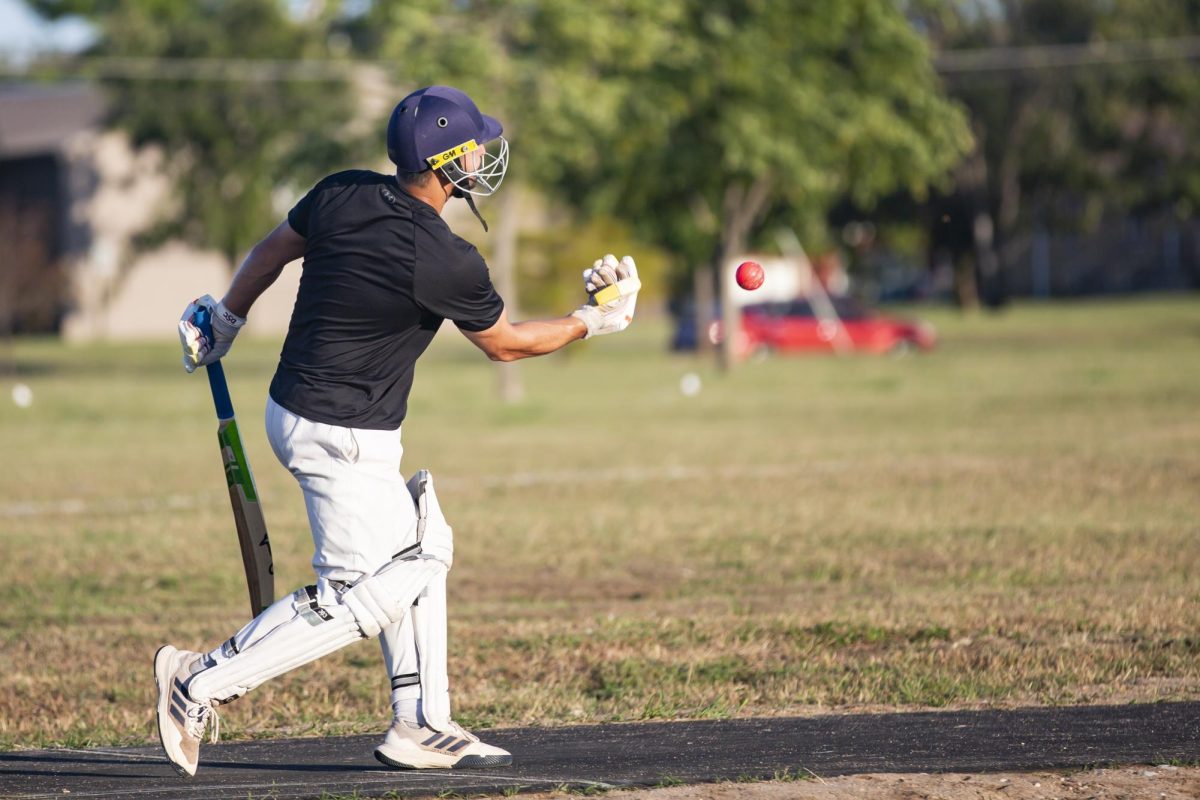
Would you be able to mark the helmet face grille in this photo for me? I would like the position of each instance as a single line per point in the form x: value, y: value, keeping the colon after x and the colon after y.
x: 481, y: 171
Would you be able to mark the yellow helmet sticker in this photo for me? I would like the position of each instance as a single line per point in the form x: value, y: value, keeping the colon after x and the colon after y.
x: 452, y: 153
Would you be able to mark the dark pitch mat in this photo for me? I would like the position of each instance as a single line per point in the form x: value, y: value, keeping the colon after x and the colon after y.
x: 636, y: 754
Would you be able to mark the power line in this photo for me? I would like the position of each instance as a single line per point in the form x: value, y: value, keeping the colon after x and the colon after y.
x: 950, y: 63
x: 1065, y: 56
x: 147, y: 68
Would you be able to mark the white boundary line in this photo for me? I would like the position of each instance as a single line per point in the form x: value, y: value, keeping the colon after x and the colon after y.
x: 75, y: 506
x: 105, y: 752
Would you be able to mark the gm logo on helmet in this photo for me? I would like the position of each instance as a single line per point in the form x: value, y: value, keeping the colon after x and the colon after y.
x: 452, y: 153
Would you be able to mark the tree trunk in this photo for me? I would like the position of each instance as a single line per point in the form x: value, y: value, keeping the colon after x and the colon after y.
x: 741, y: 208
x: 703, y: 290
x: 973, y: 184
x: 987, y: 261
x: 504, y: 271
x: 966, y: 292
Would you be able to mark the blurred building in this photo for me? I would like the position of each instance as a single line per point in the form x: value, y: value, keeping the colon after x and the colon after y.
x: 73, y: 198
x: 37, y: 180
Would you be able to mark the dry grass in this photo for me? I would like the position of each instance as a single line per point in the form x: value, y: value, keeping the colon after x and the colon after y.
x: 1010, y: 520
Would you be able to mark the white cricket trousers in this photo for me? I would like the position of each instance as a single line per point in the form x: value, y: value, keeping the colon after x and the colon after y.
x: 359, y: 509
x: 360, y: 513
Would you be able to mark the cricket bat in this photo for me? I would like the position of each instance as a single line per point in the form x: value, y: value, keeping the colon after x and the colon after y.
x: 243, y: 497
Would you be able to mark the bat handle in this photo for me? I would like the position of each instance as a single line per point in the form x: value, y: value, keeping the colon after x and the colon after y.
x: 220, y: 390
x: 216, y: 373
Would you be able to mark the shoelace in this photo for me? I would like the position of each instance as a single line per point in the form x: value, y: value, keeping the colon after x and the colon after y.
x: 200, y: 717
x: 463, y: 732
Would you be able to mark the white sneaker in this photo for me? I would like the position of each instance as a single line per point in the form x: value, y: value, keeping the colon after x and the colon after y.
x: 410, y: 746
x: 181, y: 721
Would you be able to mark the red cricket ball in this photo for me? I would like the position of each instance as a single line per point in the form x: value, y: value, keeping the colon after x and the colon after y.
x: 750, y: 275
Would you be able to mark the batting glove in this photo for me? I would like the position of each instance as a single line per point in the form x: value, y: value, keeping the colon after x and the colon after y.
x: 612, y: 288
x: 197, y: 349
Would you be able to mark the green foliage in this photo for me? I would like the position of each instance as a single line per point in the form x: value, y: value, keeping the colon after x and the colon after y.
x: 668, y: 113
x: 229, y: 145
x: 1066, y: 149
x: 552, y: 259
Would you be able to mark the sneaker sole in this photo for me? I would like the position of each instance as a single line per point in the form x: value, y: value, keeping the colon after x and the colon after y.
x: 162, y: 677
x: 466, y: 762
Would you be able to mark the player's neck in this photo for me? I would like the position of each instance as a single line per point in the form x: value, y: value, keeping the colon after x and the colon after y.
x: 432, y: 193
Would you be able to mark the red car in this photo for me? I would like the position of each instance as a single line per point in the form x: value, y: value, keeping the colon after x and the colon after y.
x: 795, y: 327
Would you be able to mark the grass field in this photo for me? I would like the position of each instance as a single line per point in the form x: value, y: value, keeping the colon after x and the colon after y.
x: 1012, y: 519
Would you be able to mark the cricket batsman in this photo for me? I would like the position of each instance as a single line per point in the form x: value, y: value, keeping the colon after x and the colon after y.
x: 381, y: 272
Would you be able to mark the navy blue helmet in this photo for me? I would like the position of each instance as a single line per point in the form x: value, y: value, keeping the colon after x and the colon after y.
x: 440, y: 127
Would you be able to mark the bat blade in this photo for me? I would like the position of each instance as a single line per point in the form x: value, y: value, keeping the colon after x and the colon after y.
x: 248, y: 517
x: 243, y: 496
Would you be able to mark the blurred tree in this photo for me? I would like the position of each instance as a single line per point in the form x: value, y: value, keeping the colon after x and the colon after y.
x: 693, y: 120
x: 552, y: 260
x: 230, y: 145
x: 1062, y: 148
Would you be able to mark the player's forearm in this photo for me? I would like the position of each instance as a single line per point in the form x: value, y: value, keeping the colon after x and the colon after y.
x: 262, y: 266
x: 254, y: 277
x: 537, y: 337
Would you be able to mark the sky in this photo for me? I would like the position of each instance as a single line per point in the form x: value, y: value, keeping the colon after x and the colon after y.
x: 23, y: 33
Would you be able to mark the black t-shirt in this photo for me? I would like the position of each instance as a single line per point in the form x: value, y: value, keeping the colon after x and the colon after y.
x: 381, y: 272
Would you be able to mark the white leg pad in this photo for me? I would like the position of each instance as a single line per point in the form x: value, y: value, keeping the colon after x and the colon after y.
x: 271, y: 618
x: 313, y: 631
x: 434, y: 533
x: 316, y: 630
x: 429, y: 627
x: 400, y: 658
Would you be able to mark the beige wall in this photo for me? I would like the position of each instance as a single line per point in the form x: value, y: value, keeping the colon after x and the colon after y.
x: 121, y: 293
x: 159, y: 284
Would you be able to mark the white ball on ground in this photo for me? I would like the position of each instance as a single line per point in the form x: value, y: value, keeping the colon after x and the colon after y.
x: 689, y: 384
x: 22, y: 395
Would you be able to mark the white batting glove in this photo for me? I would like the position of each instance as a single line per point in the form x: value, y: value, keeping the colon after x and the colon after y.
x: 612, y: 288
x: 197, y: 349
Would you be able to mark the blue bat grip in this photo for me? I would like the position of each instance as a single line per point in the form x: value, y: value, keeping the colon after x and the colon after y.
x: 216, y: 373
